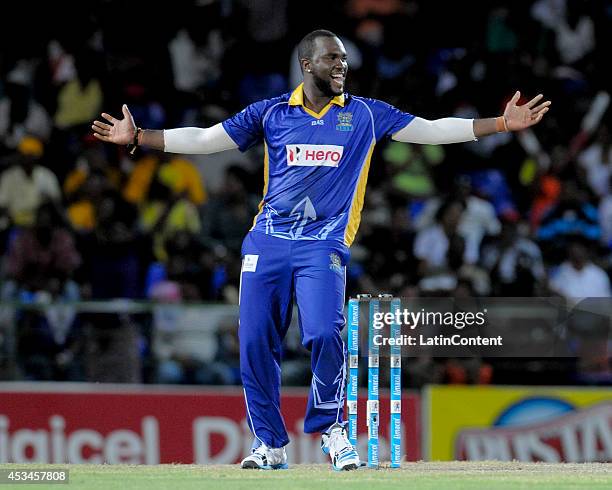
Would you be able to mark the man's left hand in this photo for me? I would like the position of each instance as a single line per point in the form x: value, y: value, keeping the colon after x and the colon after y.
x: 519, y: 117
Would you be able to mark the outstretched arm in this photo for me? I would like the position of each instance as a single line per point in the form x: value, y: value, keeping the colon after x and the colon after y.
x: 515, y: 118
x: 457, y: 130
x: 181, y: 140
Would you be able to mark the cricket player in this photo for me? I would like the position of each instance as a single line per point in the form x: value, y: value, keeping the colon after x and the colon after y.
x: 318, y: 143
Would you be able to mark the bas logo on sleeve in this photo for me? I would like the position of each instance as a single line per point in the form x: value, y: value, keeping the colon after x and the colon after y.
x: 314, y: 155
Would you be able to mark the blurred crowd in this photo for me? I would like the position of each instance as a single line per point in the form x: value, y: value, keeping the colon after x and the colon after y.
x: 511, y: 215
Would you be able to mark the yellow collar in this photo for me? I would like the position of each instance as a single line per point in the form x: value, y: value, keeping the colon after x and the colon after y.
x: 297, y: 98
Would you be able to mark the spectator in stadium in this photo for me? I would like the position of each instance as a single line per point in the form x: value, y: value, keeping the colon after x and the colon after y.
x: 114, y: 250
x: 229, y: 215
x: 227, y: 357
x: 226, y: 218
x: 514, y: 262
x: 439, y: 247
x: 80, y: 98
x: 20, y: 116
x: 93, y: 158
x: 578, y: 277
x: 575, y: 33
x: 572, y: 216
x: 145, y: 100
x: 84, y: 187
x: 42, y: 259
x: 478, y: 220
x: 412, y: 168
x: 389, y: 260
x: 309, y: 216
x: 548, y: 191
x: 111, y: 348
x: 82, y: 204
x: 192, y: 266
x: 40, y: 267
x: 605, y: 217
x: 179, y: 357
x: 49, y: 344
x: 596, y: 161
x: 166, y: 212
x: 185, y: 178
x: 27, y: 184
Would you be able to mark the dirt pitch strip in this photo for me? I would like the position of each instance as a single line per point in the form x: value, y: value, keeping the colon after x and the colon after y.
x: 421, y: 476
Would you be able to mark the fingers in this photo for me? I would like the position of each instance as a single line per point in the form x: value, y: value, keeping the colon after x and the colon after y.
x: 101, y: 125
x: 536, y: 117
x: 534, y: 101
x: 126, y: 111
x: 539, y: 113
x: 109, y: 118
x: 101, y: 128
x: 540, y: 107
x: 101, y: 138
x: 102, y: 132
x: 515, y: 98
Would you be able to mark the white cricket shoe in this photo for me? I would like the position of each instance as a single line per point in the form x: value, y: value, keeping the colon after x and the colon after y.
x: 343, y: 455
x: 266, y: 458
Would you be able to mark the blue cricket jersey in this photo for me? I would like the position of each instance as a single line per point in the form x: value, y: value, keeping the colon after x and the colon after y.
x: 316, y: 165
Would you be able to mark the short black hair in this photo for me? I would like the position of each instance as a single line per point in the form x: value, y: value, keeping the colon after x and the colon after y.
x: 306, y: 46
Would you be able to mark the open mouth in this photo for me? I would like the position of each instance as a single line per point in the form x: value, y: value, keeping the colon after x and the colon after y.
x: 338, y: 78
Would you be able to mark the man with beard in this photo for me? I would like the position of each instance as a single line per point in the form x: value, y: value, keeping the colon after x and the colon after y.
x: 318, y: 143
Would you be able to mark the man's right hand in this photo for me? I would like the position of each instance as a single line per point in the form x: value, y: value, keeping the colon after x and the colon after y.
x: 119, y: 131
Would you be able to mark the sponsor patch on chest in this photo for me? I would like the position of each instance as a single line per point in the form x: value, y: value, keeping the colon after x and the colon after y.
x: 314, y: 155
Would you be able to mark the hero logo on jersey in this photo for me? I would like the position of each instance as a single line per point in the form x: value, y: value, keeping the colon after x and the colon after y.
x: 314, y: 155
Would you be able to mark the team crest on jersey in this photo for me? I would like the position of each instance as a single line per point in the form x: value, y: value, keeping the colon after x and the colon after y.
x: 345, y: 121
x: 335, y: 263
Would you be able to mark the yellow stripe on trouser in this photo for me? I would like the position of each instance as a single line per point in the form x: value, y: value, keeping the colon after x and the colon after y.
x: 357, y: 204
x: 265, y: 189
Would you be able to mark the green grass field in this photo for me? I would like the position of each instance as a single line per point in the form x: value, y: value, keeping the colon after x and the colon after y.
x: 422, y: 476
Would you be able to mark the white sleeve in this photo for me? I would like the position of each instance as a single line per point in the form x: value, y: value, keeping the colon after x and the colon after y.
x: 198, y: 140
x: 437, y: 132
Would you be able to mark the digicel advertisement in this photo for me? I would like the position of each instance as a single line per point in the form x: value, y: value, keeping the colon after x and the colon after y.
x: 81, y: 423
x: 518, y: 423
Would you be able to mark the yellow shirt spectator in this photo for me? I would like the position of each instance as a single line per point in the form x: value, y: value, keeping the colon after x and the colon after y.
x: 78, y: 105
x: 185, y: 178
x: 182, y: 216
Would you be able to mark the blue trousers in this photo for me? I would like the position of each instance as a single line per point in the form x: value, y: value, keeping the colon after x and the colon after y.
x: 274, y: 272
